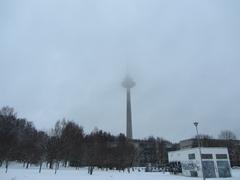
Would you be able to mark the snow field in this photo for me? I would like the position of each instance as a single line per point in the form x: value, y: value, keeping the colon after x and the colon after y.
x: 17, y: 173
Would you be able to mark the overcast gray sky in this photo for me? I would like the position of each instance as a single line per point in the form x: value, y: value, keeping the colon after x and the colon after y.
x: 67, y: 59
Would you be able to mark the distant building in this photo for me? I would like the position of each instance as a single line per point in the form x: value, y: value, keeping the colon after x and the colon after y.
x: 216, y: 162
x: 151, y: 152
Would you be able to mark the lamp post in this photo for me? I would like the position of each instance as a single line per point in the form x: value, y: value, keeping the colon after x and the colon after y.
x: 199, y: 147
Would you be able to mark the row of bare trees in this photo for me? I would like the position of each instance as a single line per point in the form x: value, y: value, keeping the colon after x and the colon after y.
x: 19, y: 140
x: 223, y: 135
x: 66, y: 144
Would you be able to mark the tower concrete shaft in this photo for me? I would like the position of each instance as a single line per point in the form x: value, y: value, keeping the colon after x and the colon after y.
x: 128, y: 83
x: 129, y: 115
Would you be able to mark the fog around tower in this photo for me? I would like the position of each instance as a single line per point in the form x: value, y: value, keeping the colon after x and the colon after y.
x: 67, y: 59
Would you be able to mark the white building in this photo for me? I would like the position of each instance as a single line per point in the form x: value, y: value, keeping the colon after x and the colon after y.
x: 215, y: 162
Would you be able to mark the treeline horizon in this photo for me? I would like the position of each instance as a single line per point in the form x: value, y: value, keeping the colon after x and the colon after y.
x: 66, y: 143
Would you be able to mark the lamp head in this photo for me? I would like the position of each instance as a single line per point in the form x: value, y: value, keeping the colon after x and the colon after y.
x: 195, y: 124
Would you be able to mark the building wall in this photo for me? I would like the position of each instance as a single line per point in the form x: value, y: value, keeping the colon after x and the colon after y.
x: 232, y: 145
x: 192, y: 166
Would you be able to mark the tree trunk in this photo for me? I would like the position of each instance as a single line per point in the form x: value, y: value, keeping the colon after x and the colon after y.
x: 6, y: 166
x: 65, y: 163
x: 27, y: 165
x: 40, y: 168
x: 51, y: 164
x: 91, y: 170
x: 56, y: 167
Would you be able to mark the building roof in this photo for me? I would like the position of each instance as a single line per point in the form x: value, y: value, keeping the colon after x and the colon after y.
x: 203, y: 148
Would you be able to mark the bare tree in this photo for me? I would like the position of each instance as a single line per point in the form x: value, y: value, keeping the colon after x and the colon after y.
x: 7, y: 111
x: 227, y: 135
x: 58, y: 129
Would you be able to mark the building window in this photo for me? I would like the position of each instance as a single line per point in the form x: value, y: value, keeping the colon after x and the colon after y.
x: 207, y: 156
x: 191, y: 156
x: 221, y: 156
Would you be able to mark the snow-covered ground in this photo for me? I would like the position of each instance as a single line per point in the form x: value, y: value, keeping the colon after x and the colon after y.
x: 17, y: 173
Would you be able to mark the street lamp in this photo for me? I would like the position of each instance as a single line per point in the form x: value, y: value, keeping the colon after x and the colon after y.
x: 199, y: 147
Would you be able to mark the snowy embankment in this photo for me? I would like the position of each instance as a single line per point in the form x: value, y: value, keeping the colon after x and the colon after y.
x: 19, y: 173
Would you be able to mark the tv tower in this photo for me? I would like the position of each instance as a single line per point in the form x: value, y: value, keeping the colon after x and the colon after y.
x: 128, y: 83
